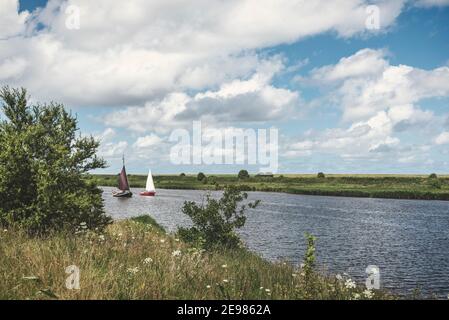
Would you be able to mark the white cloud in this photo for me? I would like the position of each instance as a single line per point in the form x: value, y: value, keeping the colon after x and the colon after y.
x: 147, y: 141
x: 254, y: 99
x: 11, y: 22
x: 443, y: 138
x: 367, y: 84
x: 128, y: 55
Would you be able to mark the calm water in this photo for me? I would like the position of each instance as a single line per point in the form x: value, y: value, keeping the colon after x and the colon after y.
x: 408, y: 240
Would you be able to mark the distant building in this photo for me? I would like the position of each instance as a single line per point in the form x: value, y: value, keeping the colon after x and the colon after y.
x: 265, y: 174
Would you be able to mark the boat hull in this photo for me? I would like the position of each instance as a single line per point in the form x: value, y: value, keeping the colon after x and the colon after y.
x: 122, y: 194
x: 148, y: 193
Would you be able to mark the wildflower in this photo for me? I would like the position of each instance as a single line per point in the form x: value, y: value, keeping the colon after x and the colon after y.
x: 6, y: 230
x: 267, y: 290
x: 356, y: 296
x: 261, y: 288
x: 339, y: 277
x: 120, y: 234
x: 176, y: 253
x: 368, y: 293
x: 177, y: 240
x: 162, y: 240
x: 225, y: 280
x: 101, y: 237
x: 302, y: 265
x: 133, y: 270
x: 294, y: 275
x: 147, y: 260
x: 224, y: 266
x: 208, y: 286
x: 349, y: 284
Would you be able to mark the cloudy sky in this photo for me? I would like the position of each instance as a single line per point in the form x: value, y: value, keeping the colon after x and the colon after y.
x: 345, y: 98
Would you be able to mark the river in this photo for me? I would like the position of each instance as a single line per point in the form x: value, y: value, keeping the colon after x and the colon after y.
x: 407, y: 239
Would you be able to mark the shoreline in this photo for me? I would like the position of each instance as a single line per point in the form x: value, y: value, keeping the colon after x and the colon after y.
x: 377, y: 187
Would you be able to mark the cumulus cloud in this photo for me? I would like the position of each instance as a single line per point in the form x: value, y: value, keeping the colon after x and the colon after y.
x: 442, y: 138
x: 379, y: 100
x: 367, y: 83
x: 254, y: 99
x: 130, y: 54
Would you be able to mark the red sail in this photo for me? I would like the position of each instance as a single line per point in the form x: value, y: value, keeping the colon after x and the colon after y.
x: 123, y: 180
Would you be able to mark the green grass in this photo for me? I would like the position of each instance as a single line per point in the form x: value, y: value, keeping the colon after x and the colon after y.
x: 374, y: 186
x: 135, y: 259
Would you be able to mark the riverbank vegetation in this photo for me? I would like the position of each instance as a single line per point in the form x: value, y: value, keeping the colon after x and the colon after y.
x: 135, y: 259
x: 374, y: 186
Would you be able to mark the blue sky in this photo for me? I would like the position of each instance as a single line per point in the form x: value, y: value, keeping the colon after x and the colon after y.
x: 345, y: 99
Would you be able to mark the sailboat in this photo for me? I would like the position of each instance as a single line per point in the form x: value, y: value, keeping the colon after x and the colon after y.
x: 150, y: 190
x: 123, y: 185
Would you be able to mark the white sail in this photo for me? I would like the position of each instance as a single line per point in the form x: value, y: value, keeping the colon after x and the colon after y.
x: 150, y: 183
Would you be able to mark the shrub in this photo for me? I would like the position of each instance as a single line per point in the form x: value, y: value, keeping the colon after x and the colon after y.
x: 435, y: 183
x: 214, y: 222
x: 243, y: 174
x: 321, y: 175
x: 433, y: 176
x: 182, y: 174
x: 42, y: 164
x: 201, y: 176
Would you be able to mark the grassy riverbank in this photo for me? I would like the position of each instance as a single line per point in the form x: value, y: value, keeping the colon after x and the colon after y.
x: 138, y: 260
x: 373, y: 186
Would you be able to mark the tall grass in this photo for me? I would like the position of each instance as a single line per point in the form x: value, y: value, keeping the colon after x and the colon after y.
x: 136, y: 259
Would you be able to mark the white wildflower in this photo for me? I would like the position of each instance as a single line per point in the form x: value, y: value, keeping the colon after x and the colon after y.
x: 208, y: 286
x: 224, y: 266
x: 261, y: 288
x: 356, y: 296
x: 368, y: 293
x: 162, y: 240
x: 176, y: 253
x: 339, y: 277
x: 267, y: 290
x: 147, y: 260
x: 133, y: 270
x: 349, y: 284
x: 225, y: 280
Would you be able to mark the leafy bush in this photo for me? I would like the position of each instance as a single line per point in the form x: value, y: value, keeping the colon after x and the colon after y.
x: 201, y: 176
x: 433, y: 176
x: 243, y: 174
x: 321, y: 175
x: 214, y: 223
x: 41, y: 168
x: 435, y: 183
x: 182, y: 174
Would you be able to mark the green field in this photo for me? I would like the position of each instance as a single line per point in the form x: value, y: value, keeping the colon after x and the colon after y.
x: 373, y: 186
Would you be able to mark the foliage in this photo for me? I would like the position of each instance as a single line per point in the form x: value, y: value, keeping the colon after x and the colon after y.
x: 42, y: 164
x: 182, y: 174
x: 433, y: 176
x: 148, y: 220
x: 214, y: 223
x: 321, y: 175
x: 243, y: 174
x: 309, y: 257
x: 201, y: 176
x: 133, y: 260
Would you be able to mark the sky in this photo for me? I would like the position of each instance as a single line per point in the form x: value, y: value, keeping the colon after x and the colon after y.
x: 347, y: 92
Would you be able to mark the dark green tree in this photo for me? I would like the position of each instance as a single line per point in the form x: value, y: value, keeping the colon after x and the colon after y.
x: 42, y: 163
x: 321, y: 175
x: 243, y: 174
x: 201, y: 176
